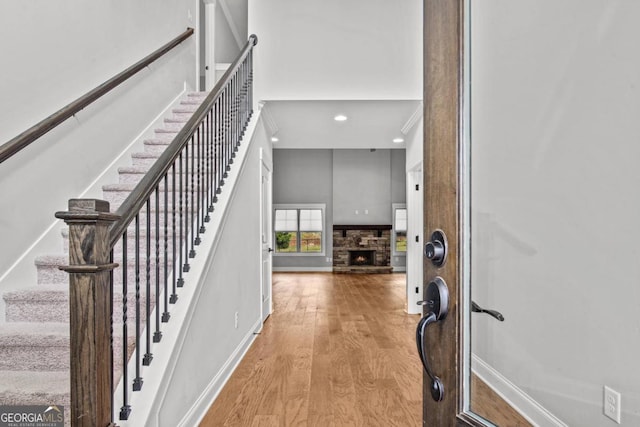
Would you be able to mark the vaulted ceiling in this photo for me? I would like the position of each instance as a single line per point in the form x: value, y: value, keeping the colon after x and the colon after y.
x: 319, y: 58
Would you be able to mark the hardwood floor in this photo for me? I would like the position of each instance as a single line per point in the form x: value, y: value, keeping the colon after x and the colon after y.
x: 339, y: 350
x: 486, y: 403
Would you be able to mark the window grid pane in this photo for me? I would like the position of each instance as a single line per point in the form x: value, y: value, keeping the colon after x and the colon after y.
x: 286, y: 220
x: 310, y: 242
x: 401, y: 220
x: 310, y: 220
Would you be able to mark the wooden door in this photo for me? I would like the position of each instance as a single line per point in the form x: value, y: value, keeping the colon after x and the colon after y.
x: 443, y: 71
x: 446, y: 341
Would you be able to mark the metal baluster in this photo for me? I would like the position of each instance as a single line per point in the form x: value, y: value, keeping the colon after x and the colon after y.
x: 148, y: 357
x: 236, y: 100
x: 125, y: 410
x: 185, y: 237
x: 192, y: 252
x: 111, y: 347
x: 244, y: 96
x: 232, y: 121
x: 250, y: 83
x: 202, y: 144
x: 166, y: 315
x: 137, y: 382
x: 218, y: 107
x: 182, y: 233
x: 174, y: 295
x: 223, y: 137
x: 157, y: 335
x: 209, y: 164
x: 228, y: 130
x: 198, y: 228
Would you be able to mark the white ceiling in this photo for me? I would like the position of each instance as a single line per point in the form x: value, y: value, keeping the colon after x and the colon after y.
x: 311, y: 124
x: 327, y: 57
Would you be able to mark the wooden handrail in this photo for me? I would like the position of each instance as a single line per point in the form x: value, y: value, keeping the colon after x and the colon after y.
x: 145, y: 188
x: 16, y: 144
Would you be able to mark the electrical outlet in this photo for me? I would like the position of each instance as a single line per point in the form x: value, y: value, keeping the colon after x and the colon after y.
x: 236, y: 320
x: 612, y: 401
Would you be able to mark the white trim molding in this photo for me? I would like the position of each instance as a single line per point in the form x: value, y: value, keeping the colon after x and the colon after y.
x: 535, y: 413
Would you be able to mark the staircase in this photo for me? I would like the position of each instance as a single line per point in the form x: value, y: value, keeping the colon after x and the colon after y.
x: 34, y: 341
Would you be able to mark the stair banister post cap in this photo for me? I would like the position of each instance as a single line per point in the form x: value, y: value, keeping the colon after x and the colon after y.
x: 87, y: 210
x: 254, y: 38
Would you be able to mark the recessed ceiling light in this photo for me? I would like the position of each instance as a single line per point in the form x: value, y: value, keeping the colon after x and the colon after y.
x: 340, y: 118
x: 274, y: 139
x: 398, y: 140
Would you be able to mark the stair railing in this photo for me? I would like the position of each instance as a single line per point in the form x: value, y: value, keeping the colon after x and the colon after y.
x: 160, y: 222
x: 16, y: 144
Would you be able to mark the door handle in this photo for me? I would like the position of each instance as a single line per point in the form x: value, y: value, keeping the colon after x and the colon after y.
x: 270, y: 249
x: 477, y: 309
x: 437, y: 303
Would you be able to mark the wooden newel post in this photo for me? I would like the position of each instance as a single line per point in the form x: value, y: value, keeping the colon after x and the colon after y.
x: 90, y: 308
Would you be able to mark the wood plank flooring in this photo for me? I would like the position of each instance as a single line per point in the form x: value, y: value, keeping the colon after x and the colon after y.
x: 486, y: 403
x: 339, y: 350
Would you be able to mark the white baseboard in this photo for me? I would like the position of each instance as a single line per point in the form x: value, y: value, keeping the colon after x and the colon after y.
x: 303, y: 269
x: 535, y: 413
x: 196, y: 413
x: 400, y: 269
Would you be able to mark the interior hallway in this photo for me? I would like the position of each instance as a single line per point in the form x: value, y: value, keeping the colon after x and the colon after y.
x: 338, y: 350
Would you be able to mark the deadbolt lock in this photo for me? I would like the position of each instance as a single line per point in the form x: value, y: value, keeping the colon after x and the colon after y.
x: 436, y: 248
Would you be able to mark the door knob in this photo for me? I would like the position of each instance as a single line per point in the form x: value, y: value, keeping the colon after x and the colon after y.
x: 437, y: 303
x: 436, y: 248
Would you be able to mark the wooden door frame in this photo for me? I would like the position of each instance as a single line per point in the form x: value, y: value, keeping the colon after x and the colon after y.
x: 443, y: 131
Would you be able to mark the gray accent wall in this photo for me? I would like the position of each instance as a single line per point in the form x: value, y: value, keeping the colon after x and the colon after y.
x: 305, y: 176
x: 362, y: 187
x: 345, y: 181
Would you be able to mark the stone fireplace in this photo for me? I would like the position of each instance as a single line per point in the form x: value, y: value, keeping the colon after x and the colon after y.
x: 362, y: 249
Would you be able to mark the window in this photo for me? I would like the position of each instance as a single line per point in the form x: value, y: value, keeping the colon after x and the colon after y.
x: 298, y: 229
x: 399, y: 229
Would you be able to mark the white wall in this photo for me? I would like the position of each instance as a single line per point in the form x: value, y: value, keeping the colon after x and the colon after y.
x: 54, y: 52
x: 231, y: 283
x: 336, y: 49
x: 414, y: 141
x: 555, y: 140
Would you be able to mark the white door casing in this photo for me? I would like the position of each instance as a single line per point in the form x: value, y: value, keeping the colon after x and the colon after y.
x: 266, y: 233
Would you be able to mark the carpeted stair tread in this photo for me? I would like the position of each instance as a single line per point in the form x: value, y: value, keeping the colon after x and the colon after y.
x: 186, y: 108
x: 34, y: 387
x: 164, y: 130
x: 56, y: 292
x: 177, y: 119
x: 19, y: 333
x: 52, y: 260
